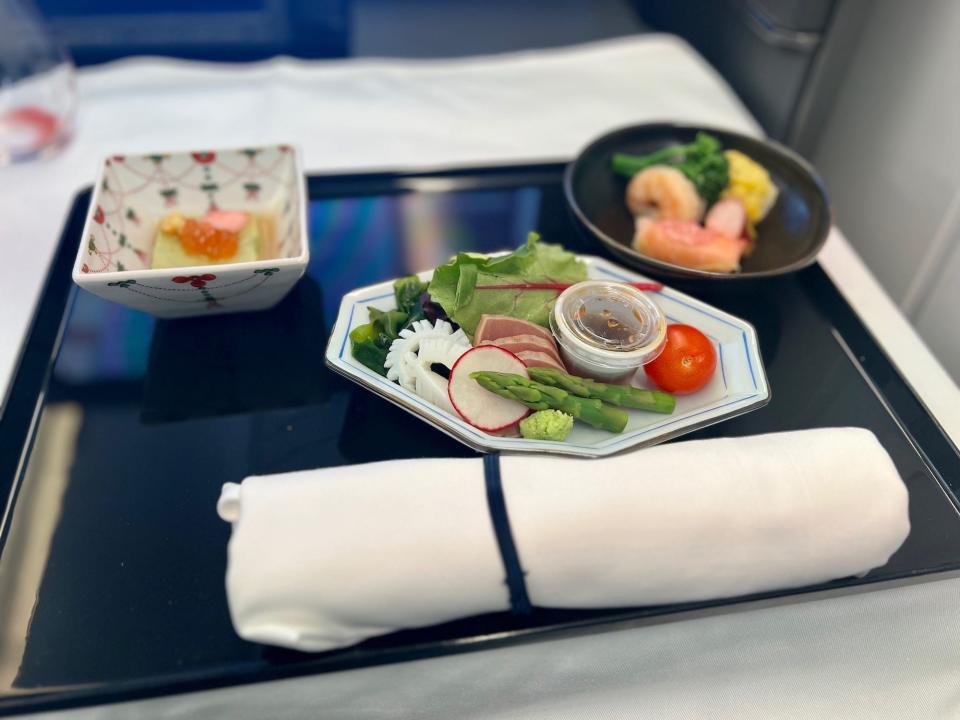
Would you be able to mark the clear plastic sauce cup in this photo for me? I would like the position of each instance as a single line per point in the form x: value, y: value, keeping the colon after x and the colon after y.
x: 606, y: 330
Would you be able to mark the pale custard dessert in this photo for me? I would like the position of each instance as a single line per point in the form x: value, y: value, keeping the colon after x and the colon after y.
x: 216, y: 238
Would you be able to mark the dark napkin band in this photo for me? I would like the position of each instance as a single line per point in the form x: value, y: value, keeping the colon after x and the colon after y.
x: 519, y: 600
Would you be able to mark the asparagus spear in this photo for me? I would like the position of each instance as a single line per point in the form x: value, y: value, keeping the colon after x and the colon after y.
x: 544, y: 397
x: 622, y: 395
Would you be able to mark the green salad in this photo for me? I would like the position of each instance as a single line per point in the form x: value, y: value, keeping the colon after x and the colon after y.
x: 461, y: 286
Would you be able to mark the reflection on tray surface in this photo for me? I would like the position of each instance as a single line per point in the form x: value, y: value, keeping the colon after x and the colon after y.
x: 209, y: 366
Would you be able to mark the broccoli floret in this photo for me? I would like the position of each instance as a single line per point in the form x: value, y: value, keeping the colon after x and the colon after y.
x: 546, y: 425
x: 702, y: 161
x: 706, y: 166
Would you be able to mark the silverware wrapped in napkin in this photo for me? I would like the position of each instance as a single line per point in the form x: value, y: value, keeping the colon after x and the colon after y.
x: 326, y: 558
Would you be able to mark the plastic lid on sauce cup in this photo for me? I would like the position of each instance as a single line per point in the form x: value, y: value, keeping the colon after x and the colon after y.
x: 609, y: 325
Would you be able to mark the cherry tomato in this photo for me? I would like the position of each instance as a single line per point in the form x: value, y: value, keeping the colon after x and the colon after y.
x: 687, y: 362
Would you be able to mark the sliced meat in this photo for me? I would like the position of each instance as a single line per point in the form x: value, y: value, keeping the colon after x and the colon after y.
x: 526, y: 343
x: 532, y: 358
x: 492, y: 327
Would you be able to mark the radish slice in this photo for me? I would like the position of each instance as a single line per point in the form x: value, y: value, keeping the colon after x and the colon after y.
x: 479, y: 407
x: 511, y: 431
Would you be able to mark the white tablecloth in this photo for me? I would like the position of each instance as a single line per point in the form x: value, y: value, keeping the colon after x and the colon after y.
x: 884, y: 654
x: 892, y: 654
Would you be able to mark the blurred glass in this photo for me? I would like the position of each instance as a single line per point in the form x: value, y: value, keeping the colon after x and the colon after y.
x: 37, y: 88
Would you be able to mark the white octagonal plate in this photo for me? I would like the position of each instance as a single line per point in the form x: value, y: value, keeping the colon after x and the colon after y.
x: 738, y: 386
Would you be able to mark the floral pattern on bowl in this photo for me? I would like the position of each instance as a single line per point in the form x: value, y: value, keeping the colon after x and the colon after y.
x: 134, y: 192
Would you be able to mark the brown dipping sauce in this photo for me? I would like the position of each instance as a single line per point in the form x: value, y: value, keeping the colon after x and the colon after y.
x: 612, y: 324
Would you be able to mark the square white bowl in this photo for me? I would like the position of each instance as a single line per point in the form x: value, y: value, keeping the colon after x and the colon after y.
x: 134, y: 192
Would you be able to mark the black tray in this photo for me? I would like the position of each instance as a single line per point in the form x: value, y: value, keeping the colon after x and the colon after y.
x: 111, y: 530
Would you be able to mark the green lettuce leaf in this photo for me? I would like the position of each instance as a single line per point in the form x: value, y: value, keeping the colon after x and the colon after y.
x: 453, y: 284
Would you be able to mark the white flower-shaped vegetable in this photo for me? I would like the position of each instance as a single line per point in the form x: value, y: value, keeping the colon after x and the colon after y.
x: 440, y: 350
x: 421, y: 345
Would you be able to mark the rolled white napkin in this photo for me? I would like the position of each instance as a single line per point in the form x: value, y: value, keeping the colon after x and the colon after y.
x: 321, y: 559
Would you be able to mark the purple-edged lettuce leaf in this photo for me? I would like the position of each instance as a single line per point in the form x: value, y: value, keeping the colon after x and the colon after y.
x: 454, y: 284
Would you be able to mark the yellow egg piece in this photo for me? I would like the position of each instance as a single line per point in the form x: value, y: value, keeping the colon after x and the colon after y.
x: 172, y: 223
x: 750, y: 183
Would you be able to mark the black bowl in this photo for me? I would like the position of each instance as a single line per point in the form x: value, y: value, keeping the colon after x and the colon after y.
x: 788, y: 239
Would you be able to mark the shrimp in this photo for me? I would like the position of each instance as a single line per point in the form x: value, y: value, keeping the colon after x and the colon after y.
x: 688, y: 244
x: 663, y: 193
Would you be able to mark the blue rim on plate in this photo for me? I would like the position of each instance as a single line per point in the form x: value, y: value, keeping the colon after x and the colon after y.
x: 739, y: 386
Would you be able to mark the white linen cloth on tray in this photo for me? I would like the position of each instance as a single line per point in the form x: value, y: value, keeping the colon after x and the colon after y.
x: 326, y: 558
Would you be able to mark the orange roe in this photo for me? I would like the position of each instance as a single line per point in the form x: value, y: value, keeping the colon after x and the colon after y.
x: 200, y: 238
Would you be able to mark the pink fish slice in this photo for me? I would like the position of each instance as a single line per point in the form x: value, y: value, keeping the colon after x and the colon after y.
x: 227, y: 220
